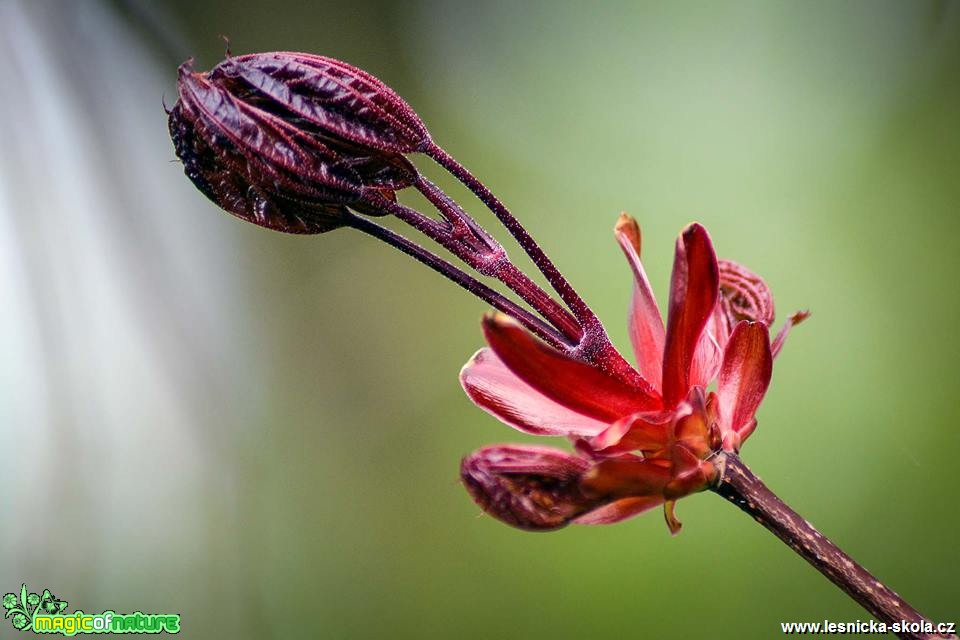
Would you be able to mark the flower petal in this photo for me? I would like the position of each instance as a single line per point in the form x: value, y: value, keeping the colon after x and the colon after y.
x: 744, y: 377
x: 572, y: 383
x: 707, y: 358
x: 692, y: 428
x: 645, y: 322
x: 499, y: 392
x: 694, y: 288
x: 647, y: 431
x: 791, y: 322
x: 620, y: 510
x: 627, y: 476
x: 690, y: 474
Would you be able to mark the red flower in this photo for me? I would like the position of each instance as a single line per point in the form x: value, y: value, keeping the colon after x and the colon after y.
x: 640, y: 440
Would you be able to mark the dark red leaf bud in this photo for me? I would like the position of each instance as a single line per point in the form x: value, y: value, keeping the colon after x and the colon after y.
x: 256, y: 155
x: 533, y: 488
x: 330, y: 95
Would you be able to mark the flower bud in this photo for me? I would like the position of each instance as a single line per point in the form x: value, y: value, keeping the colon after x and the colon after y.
x: 262, y: 160
x: 533, y: 488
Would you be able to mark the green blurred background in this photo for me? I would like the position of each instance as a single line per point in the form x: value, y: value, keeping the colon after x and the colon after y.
x: 263, y: 432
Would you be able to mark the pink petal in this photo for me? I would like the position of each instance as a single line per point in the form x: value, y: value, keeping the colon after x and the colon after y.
x: 744, y: 377
x: 572, y: 383
x: 620, y: 510
x: 706, y: 359
x: 719, y: 323
x: 692, y: 427
x: 690, y: 474
x: 499, y: 392
x: 627, y: 476
x: 791, y: 322
x: 648, y: 431
x: 709, y: 354
x: 645, y: 321
x: 694, y: 288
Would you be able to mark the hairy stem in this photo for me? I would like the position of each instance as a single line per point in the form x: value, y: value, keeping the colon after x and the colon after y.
x: 740, y: 486
x: 580, y: 310
x: 577, y: 332
x: 471, y: 284
x: 453, y: 212
x: 503, y: 269
x: 483, y: 254
x: 539, y: 299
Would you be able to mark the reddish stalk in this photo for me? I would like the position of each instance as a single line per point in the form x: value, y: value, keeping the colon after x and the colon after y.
x: 503, y: 269
x: 740, y: 486
x: 580, y: 310
x: 485, y: 256
x: 461, y: 278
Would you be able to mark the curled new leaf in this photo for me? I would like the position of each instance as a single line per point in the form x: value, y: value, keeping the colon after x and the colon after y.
x: 744, y: 294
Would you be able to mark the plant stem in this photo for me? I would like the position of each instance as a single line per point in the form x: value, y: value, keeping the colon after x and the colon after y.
x: 471, y: 284
x: 452, y: 212
x: 482, y: 253
x: 519, y: 282
x: 580, y: 310
x: 740, y: 486
x: 504, y: 270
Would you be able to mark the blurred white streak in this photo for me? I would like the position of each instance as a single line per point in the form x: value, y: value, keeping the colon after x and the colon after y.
x: 121, y: 359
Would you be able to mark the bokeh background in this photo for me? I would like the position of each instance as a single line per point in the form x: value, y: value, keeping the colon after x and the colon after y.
x: 263, y: 432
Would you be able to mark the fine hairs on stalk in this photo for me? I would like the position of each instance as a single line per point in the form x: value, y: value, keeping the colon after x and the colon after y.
x: 305, y: 144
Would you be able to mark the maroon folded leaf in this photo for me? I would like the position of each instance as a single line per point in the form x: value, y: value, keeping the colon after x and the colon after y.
x: 329, y: 94
x: 222, y: 174
x: 261, y: 160
x: 533, y: 488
